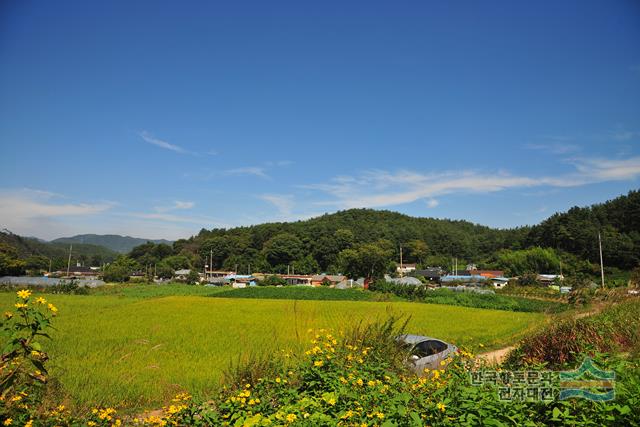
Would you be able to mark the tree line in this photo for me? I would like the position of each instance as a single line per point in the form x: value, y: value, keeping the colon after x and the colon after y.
x: 366, y: 243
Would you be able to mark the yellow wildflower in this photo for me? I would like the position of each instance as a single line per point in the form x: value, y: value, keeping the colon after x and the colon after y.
x: 8, y: 314
x: 441, y: 406
x: 24, y: 294
x: 52, y: 308
x: 8, y: 422
x: 359, y: 381
x: 318, y: 363
x: 29, y: 423
x: 380, y: 415
x: 20, y: 305
x: 292, y: 417
x: 278, y: 380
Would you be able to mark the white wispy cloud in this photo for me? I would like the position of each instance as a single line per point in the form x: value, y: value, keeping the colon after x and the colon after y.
x: 28, y: 211
x: 624, y: 135
x: 592, y: 170
x: 560, y: 146
x: 248, y: 170
x: 176, y: 205
x: 147, y: 137
x: 432, y: 203
x: 168, y: 217
x: 278, y: 163
x: 379, y: 188
x: 283, y: 202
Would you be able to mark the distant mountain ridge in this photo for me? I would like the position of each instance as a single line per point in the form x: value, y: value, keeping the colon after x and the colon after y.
x: 115, y: 242
x: 25, y: 247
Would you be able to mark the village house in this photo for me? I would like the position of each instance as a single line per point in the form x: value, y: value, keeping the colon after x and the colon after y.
x: 405, y: 268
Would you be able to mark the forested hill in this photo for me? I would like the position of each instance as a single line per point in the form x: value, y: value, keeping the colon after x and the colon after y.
x: 114, y: 242
x: 426, y: 240
x: 34, y: 254
x: 576, y: 231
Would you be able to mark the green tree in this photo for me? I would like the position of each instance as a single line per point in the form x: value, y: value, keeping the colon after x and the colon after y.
x: 305, y: 265
x: 193, y: 278
x: 282, y: 249
x: 417, y: 251
x: 120, y: 269
x: 164, y: 270
x: 217, y: 248
x: 37, y: 263
x: 532, y: 260
x: 370, y: 260
x: 177, y: 262
x: 10, y: 264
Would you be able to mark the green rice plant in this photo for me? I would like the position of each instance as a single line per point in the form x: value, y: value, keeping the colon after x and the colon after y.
x: 134, y: 351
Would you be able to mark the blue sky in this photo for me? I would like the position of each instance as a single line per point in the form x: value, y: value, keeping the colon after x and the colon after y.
x: 156, y: 119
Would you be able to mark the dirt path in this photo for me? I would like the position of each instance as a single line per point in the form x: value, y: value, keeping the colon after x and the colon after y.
x: 495, y: 357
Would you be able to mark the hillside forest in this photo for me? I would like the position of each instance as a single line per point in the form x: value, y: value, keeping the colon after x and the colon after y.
x: 366, y: 242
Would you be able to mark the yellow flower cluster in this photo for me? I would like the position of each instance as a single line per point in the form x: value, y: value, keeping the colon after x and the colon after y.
x: 24, y: 294
x: 104, y: 414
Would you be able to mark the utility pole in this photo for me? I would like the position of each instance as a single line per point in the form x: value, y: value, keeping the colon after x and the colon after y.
x: 401, y: 269
x: 49, y: 265
x: 69, y: 262
x: 601, y: 264
x: 210, y: 264
x: 561, y: 268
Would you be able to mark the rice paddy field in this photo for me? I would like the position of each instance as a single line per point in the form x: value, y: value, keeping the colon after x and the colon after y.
x: 135, y: 347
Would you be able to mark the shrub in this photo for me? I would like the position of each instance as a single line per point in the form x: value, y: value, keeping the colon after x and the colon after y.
x: 466, y: 299
x: 272, y: 281
x: 615, y: 329
x: 69, y: 287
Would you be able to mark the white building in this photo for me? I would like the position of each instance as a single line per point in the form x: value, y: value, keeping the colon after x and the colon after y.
x: 406, y: 268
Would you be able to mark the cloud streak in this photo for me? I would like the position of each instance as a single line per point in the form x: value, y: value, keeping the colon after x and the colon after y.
x: 29, y: 212
x: 283, y: 202
x: 150, y: 139
x: 248, y: 170
x: 379, y: 188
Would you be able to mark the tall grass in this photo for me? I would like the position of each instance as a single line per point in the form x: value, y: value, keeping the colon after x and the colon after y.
x: 615, y: 329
